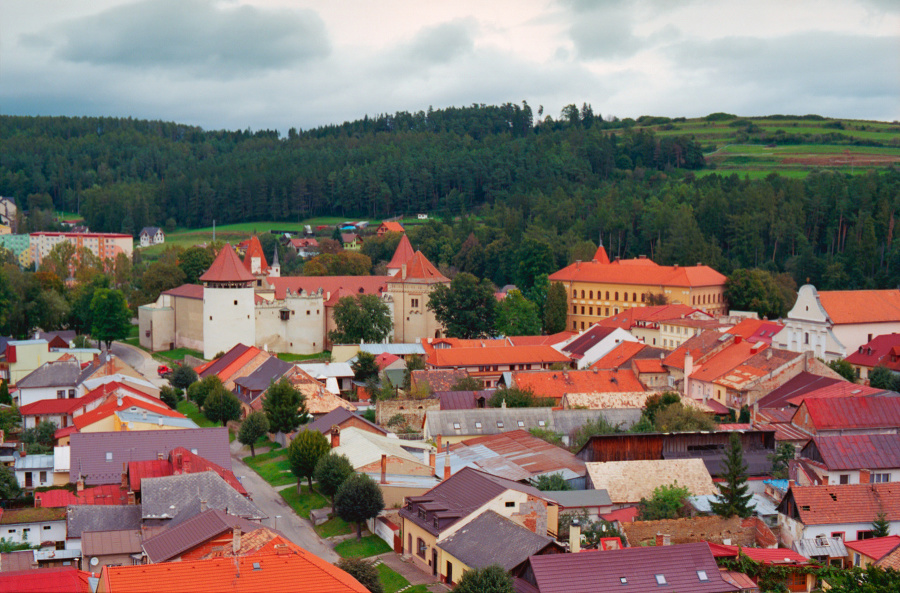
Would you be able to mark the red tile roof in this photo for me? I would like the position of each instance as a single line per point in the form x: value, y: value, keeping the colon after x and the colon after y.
x: 624, y: 515
x: 880, y: 350
x: 329, y: 284
x: 850, y: 412
x: 858, y: 451
x: 628, y: 318
x: 187, y: 291
x: 849, y: 503
x: 180, y: 461
x: 254, y: 249
x: 556, y: 384
x: 600, y: 256
x: 541, y: 340
x: 150, y: 468
x: 46, y: 407
x: 640, y: 272
x: 296, y: 570
x: 46, y: 580
x: 724, y: 361
x: 107, y: 494
x: 391, y: 226
x: 112, y: 406
x: 227, y: 267
x: 768, y: 556
x: 619, y: 355
x: 466, y: 357
x: 861, y: 306
x: 418, y: 268
x: 875, y: 548
x: 840, y: 389
x: 649, y: 365
x: 385, y: 359
x: 756, y: 330
x: 402, y: 254
x: 698, y: 345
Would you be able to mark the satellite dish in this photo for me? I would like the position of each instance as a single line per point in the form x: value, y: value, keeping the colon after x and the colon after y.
x: 95, y: 561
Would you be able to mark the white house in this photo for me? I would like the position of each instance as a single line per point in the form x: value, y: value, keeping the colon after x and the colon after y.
x: 152, y: 235
x: 593, y: 344
x: 34, y: 526
x: 34, y: 471
x: 833, y: 324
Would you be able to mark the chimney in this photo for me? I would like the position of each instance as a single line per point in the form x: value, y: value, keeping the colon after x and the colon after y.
x: 447, y: 467
x: 124, y: 480
x: 738, y: 339
x: 203, y: 505
x: 235, y: 540
x: 96, y: 359
x: 768, y: 353
x: 383, y: 468
x: 335, y: 436
x: 437, y: 442
x: 688, y: 370
x: 131, y: 498
x: 864, y: 476
x: 431, y: 460
x: 79, y: 485
x: 575, y: 537
x: 663, y: 539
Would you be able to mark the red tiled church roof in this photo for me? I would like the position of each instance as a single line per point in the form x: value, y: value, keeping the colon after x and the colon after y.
x: 227, y: 267
x: 418, y: 268
x: 861, y: 306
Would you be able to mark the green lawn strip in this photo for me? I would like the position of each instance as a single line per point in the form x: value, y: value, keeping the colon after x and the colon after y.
x: 288, y: 357
x: 262, y: 458
x: 391, y: 580
x: 276, y: 473
x: 189, y: 409
x: 305, y: 502
x: 370, y: 545
x: 334, y: 526
x: 179, y: 353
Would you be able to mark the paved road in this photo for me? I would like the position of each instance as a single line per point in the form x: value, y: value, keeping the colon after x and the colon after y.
x: 140, y: 360
x: 298, y: 530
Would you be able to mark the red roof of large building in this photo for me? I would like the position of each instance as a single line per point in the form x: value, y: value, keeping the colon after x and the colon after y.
x: 850, y: 412
x: 227, y: 267
x: 876, y: 547
x: 254, y: 249
x: 861, y: 306
x: 328, y: 284
x: 642, y: 272
x: 296, y: 570
x: 473, y: 357
x: 556, y: 384
x: 46, y: 580
x: 107, y: 494
x: 628, y: 318
x: 541, y: 340
x: 881, y: 350
x: 419, y: 269
x: 402, y: 254
x: 186, y: 291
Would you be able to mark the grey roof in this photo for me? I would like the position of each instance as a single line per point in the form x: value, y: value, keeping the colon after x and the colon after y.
x: 268, y: 372
x: 102, y: 543
x: 150, y: 230
x: 832, y: 547
x: 331, y: 369
x: 59, y: 373
x: 167, y: 496
x: 476, y: 543
x: 579, y: 498
x: 32, y: 462
x: 156, y: 418
x: 196, y: 530
x: 80, y: 518
x: 338, y: 415
x: 444, y: 422
x: 395, y: 349
x: 761, y: 504
x: 89, y: 449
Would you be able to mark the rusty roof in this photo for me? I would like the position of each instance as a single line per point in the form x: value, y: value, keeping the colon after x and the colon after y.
x: 851, y: 412
x: 227, y: 267
x: 858, y: 451
x: 848, y: 503
x: 533, y: 455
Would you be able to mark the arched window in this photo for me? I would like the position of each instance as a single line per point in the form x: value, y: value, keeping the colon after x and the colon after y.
x: 582, y: 294
x: 625, y: 296
x: 643, y: 297
x: 607, y: 295
x: 617, y: 295
x: 634, y: 296
x: 574, y: 294
x: 591, y: 294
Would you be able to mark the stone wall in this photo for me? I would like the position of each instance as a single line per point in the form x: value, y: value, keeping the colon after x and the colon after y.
x: 695, y: 529
x: 413, y: 410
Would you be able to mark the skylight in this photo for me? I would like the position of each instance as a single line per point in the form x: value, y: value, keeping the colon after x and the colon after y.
x: 478, y: 425
x: 661, y: 579
x: 456, y: 425
x: 701, y: 574
x: 623, y: 580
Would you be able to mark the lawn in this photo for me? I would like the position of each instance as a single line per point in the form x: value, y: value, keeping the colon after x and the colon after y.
x: 288, y: 357
x: 334, y: 526
x: 189, y: 409
x: 393, y: 581
x: 179, y: 353
x: 305, y: 502
x: 370, y: 545
x: 276, y: 472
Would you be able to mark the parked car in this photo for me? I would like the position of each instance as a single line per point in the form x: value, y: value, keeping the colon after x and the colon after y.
x: 163, y: 370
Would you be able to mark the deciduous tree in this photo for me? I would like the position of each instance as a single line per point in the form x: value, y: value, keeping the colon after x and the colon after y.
x: 357, y: 500
x: 304, y: 453
x: 490, y: 579
x: 363, y: 571
x: 110, y: 316
x: 331, y: 471
x: 254, y: 427
x: 221, y: 406
x: 364, y: 366
x: 285, y: 407
x: 667, y: 502
x: 467, y: 308
x: 361, y: 318
x: 517, y: 316
x: 555, y: 309
x: 183, y: 376
x: 551, y: 482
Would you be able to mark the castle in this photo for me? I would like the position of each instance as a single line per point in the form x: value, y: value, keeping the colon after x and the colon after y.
x: 250, y: 302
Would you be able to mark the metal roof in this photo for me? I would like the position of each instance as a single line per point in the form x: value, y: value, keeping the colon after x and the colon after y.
x: 101, y: 543
x: 59, y: 373
x: 831, y: 547
x: 462, y: 400
x: 363, y: 447
x: 83, y: 518
x: 499, y: 420
x: 176, y: 540
x: 761, y: 504
x: 475, y: 544
x: 337, y: 417
x: 395, y: 349
x: 33, y: 462
x: 330, y: 369
x: 579, y: 498
x: 156, y: 419
x: 858, y: 451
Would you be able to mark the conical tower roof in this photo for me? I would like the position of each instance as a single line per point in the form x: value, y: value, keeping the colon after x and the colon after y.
x: 255, y: 250
x: 419, y: 269
x: 601, y: 257
x: 402, y: 255
x: 227, y: 267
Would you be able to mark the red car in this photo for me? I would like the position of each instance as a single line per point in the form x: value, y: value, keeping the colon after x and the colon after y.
x: 163, y: 370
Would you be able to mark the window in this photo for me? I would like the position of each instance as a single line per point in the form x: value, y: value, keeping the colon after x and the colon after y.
x: 574, y: 309
x: 521, y: 424
x: 701, y: 574
x: 625, y: 296
x: 414, y: 302
x: 634, y: 296
x: 623, y: 580
x: 856, y: 559
x: 499, y: 424
x: 109, y: 455
x: 46, y: 528
x: 71, y: 394
x: 838, y: 534
x: 235, y: 302
x: 864, y: 534
x: 456, y: 425
x: 881, y: 478
x: 478, y: 425
x: 844, y: 479
x: 617, y: 296
x: 43, y: 477
x: 582, y: 294
x: 510, y: 504
x: 285, y: 315
x: 582, y: 309
x: 541, y: 423
x: 591, y: 293
x: 420, y: 547
x: 661, y: 579
x: 607, y: 312
x: 590, y: 310
x: 61, y: 394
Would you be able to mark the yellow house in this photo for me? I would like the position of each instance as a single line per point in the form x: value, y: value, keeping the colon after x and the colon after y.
x: 599, y: 288
x: 433, y: 517
x: 866, y: 552
x: 128, y: 413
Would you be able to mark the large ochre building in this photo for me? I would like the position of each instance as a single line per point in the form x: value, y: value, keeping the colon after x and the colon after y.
x: 600, y: 288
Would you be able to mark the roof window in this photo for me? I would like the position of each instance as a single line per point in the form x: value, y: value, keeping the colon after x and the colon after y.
x: 499, y: 424
x: 521, y: 424
x: 456, y: 425
x: 109, y: 455
x: 661, y: 579
x: 478, y: 425
x: 701, y: 574
x: 541, y: 423
x: 623, y: 580
x: 256, y: 566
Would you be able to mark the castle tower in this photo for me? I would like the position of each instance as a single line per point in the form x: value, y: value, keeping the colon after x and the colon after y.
x: 409, y: 290
x: 228, y: 304
x: 255, y: 259
x: 275, y: 268
x: 403, y: 254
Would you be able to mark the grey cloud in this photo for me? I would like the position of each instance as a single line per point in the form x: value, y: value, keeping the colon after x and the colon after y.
x: 202, y: 37
x: 442, y: 43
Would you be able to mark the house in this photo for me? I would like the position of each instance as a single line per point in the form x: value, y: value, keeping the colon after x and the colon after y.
x: 627, y: 482
x: 151, y: 235
x: 797, y: 579
x: 293, y: 569
x: 623, y: 354
x: 557, y: 384
x: 102, y: 457
x: 644, y: 323
x: 431, y: 518
x: 57, y: 379
x: 121, y: 547
x: 170, y: 500
x: 351, y: 241
x: 210, y: 527
x: 36, y: 471
x: 761, y: 505
x: 8, y: 210
x: 343, y: 419
x: 666, y: 569
x: 251, y: 387
x: 34, y: 526
x: 453, y: 426
x: 20, y: 245
x: 834, y: 324
x: 819, y: 416
x: 410, y: 289
x: 881, y: 350
x: 175, y: 320
x: 599, y: 288
x: 489, y: 364
x: 474, y: 546
x: 305, y: 247
x: 68, y: 579
x: 323, y: 371
x: 83, y: 519
x: 854, y: 458
x: 128, y: 413
x: 389, y: 226
x: 864, y: 553
x: 514, y: 455
x: 593, y: 344
x: 180, y: 461
x: 756, y: 330
x: 845, y: 511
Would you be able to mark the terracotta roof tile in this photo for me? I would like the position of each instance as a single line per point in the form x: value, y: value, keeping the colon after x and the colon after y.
x: 556, y: 384
x: 46, y: 580
x: 768, y: 556
x: 756, y: 330
x: 254, y: 249
x: 541, y: 340
x: 392, y: 226
x: 640, y: 272
x: 619, y: 355
x: 876, y: 547
x: 465, y: 357
x: 329, y: 284
x: 849, y: 503
x: 107, y: 494
x: 419, y: 269
x: 227, y: 267
x: 112, y: 406
x: 649, y: 365
x: 861, y: 306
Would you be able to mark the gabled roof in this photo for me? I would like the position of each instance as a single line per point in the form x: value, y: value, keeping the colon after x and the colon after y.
x: 337, y: 417
x: 112, y: 406
x: 62, y: 579
x: 639, y: 272
x: 59, y: 373
x: 101, y: 543
x: 385, y: 359
x: 861, y: 306
x: 363, y: 448
x: 186, y: 291
x: 875, y: 548
x: 101, y: 518
x: 328, y: 284
x: 168, y: 496
x: 465, y: 357
x: 850, y: 412
x: 630, y: 481
x: 180, y: 461
x: 392, y: 226
x: 45, y: 407
x: 881, y: 350
x: 697, y: 346
x: 805, y: 382
x: 108, y: 494
x: 550, y: 340
x: 227, y: 267
x: 857, y: 451
x: 841, y: 389
x: 812, y: 547
x: 756, y: 330
x: 620, y: 355
x: 177, y: 540
x: 268, y: 372
x: 420, y: 270
x: 594, y: 571
x: 556, y: 384
x: 462, y: 400
x: 254, y: 249
x: 150, y: 230
x: 639, y: 316
x: 835, y: 504
x: 578, y: 347
x: 767, y: 556
x: 295, y: 570
x: 475, y: 544
x: 437, y: 379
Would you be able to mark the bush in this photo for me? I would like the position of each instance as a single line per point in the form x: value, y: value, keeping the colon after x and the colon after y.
x: 363, y: 571
x: 183, y: 376
x: 169, y: 396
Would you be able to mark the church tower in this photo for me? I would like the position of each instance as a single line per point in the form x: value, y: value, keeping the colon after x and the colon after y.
x: 275, y: 268
x: 228, y: 304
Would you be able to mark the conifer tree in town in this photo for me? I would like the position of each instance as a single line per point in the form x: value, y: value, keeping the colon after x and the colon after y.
x: 733, y: 498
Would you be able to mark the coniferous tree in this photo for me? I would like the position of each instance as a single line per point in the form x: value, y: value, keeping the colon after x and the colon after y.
x: 733, y: 498
x: 880, y: 526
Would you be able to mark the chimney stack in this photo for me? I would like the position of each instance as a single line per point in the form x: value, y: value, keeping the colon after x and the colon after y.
x: 431, y: 460
x: 437, y: 442
x: 447, y: 467
x: 203, y: 505
x: 79, y: 485
x: 235, y: 540
x: 383, y: 468
x: 131, y: 498
x: 335, y: 436
x: 575, y: 537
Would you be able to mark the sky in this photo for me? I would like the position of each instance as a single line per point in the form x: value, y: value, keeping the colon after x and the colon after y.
x: 277, y: 64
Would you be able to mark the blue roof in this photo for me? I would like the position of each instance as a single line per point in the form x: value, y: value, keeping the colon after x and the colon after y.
x: 782, y: 485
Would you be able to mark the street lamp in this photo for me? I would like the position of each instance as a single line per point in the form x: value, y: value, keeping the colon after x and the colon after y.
x: 276, y: 521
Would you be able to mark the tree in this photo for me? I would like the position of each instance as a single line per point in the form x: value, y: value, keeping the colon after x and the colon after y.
x: 198, y: 392
x: 881, y: 377
x: 784, y: 452
x: 357, y: 500
x: 681, y: 418
x: 517, y: 316
x: 304, y: 453
x: 194, y: 261
x: 285, y: 407
x: 254, y: 427
x: 39, y: 439
x: 551, y: 482
x: 757, y: 290
x: 183, y: 376
x: 514, y: 398
x: 468, y: 384
x: 555, y: 309
x: 331, y: 471
x: 467, y: 308
x: 667, y: 502
x: 872, y: 579
x: 110, y: 315
x: 657, y: 403
x: 490, y: 579
x: 881, y: 527
x: 9, y: 487
x: 363, y: 571
x: 361, y: 318
x: 364, y: 366
x: 597, y: 426
x: 221, y: 406
x: 413, y: 363
x: 169, y: 396
x: 10, y: 419
x: 4, y: 393
x: 734, y: 498
x: 844, y: 369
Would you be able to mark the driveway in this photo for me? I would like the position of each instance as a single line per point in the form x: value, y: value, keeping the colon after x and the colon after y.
x: 298, y: 530
x: 139, y: 360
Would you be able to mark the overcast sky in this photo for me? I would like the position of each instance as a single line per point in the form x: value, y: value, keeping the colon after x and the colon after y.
x: 282, y: 63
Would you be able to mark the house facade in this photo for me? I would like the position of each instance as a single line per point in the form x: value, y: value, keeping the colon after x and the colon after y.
x: 151, y: 235
x: 103, y: 245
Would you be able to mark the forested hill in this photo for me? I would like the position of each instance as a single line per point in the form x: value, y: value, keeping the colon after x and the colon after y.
x: 448, y: 160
